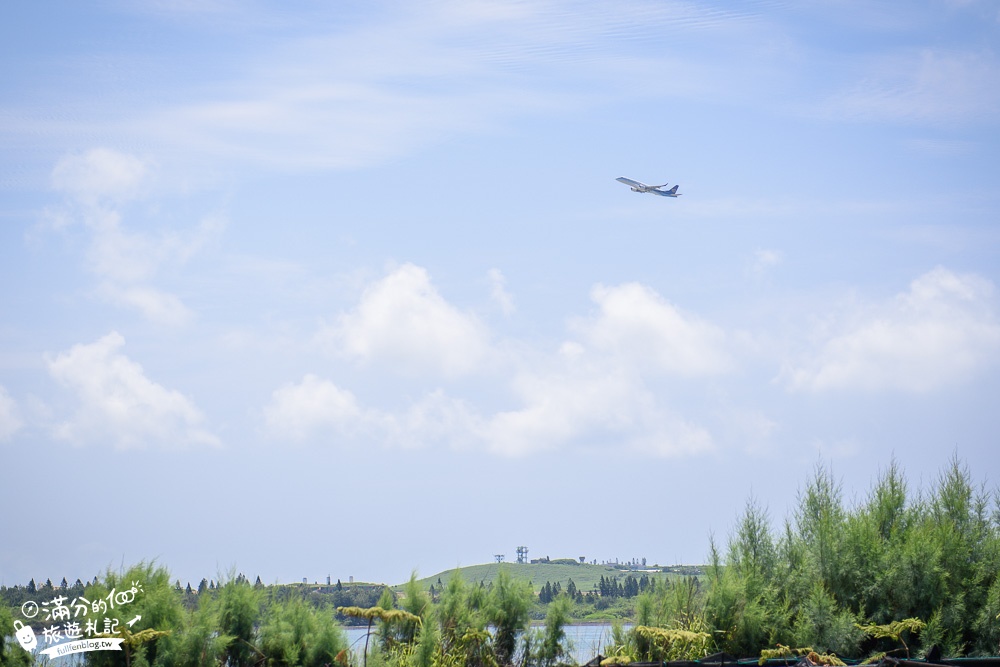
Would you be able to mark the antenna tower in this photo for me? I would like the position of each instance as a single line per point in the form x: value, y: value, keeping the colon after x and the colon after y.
x: 522, y: 554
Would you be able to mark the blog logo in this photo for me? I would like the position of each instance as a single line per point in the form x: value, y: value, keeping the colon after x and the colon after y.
x: 78, y: 625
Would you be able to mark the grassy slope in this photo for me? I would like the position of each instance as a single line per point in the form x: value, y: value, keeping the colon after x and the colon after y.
x: 585, y: 576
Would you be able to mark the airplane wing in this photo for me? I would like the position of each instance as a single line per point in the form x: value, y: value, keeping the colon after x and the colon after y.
x: 630, y: 182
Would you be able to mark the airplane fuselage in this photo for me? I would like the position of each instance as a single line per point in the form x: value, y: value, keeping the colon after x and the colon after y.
x: 636, y: 186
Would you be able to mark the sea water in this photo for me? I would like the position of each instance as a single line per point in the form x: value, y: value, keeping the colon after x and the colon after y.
x: 582, y: 642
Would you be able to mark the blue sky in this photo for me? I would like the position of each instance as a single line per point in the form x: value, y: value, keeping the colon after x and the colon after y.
x: 349, y: 289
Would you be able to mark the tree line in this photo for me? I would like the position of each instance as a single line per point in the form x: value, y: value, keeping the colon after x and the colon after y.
x: 607, y: 590
x: 239, y: 624
x: 830, y: 573
x: 899, y: 573
x: 902, y: 573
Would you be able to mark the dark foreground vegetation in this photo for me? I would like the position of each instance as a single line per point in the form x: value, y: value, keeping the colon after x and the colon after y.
x: 900, y: 573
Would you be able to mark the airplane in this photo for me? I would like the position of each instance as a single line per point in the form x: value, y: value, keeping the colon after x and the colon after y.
x: 652, y: 189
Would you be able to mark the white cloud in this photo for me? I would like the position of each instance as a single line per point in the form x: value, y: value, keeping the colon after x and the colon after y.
x: 672, y: 436
x: 764, y: 260
x: 100, y: 174
x: 926, y: 86
x: 499, y: 292
x: 402, y: 321
x: 117, y: 254
x: 592, y: 392
x: 155, y: 305
x: 637, y: 326
x: 435, y: 419
x: 316, y: 407
x: 574, y: 402
x: 126, y: 257
x: 313, y: 405
x: 589, y: 403
x: 119, y: 404
x: 563, y: 405
x: 939, y: 333
x: 10, y: 422
x: 126, y: 261
x: 333, y: 99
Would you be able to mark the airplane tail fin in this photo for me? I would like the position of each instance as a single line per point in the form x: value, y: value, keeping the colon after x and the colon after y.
x: 673, y: 190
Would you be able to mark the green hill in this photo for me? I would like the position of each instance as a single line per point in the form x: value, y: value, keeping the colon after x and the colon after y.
x: 584, y: 575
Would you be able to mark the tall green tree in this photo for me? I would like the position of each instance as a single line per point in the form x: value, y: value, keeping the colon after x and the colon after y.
x: 155, y: 607
x: 552, y: 648
x: 295, y: 634
x: 744, y: 602
x: 199, y: 643
x: 239, y: 608
x: 507, y: 611
x: 428, y: 642
x: 933, y: 557
x: 461, y: 617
